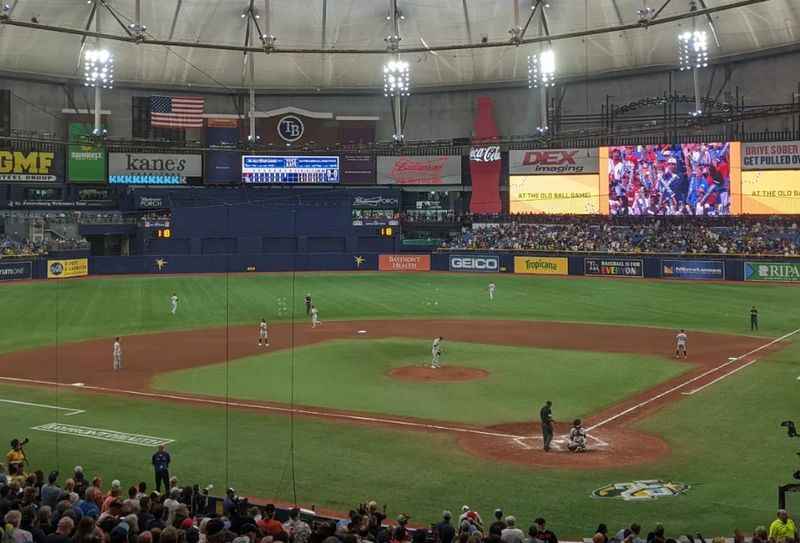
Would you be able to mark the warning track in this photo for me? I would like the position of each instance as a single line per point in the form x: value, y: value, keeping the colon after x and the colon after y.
x: 713, y: 357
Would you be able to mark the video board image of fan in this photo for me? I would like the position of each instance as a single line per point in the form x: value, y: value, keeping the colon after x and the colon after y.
x: 676, y: 179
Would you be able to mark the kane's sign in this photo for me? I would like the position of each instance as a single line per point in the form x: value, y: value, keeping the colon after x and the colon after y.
x: 553, y: 161
x: 150, y: 164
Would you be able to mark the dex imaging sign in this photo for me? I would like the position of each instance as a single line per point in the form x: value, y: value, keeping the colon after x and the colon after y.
x: 470, y: 263
x: 553, y: 161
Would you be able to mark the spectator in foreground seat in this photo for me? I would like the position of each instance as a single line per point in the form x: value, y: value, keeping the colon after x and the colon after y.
x: 782, y: 527
x: 512, y: 534
x: 541, y: 531
x: 63, y: 531
x: 444, y: 530
x: 18, y: 535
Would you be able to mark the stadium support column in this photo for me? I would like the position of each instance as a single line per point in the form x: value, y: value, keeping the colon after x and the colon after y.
x: 98, y: 103
x: 696, y: 80
x: 543, y: 109
x: 251, y: 114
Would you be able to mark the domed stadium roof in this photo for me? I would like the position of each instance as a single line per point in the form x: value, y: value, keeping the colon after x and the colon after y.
x: 361, y: 26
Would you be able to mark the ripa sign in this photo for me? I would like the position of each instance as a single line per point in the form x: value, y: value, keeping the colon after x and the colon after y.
x: 470, y: 263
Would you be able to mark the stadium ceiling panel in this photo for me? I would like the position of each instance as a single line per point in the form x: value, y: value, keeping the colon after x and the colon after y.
x: 363, y: 25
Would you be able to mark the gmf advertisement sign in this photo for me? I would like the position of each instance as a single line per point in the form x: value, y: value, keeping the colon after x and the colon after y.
x: 86, y: 161
x: 772, y: 271
x: 12, y: 271
x: 474, y: 263
x: 404, y: 262
x: 693, y: 269
x: 541, y: 265
x: 31, y: 166
x: 775, y: 155
x: 62, y: 269
x: 553, y: 161
x: 614, y: 267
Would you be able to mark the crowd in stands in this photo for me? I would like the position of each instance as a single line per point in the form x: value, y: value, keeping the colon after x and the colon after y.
x: 83, y: 509
x: 755, y: 236
x: 15, y: 248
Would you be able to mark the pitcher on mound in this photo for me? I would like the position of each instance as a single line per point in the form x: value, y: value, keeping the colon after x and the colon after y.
x: 436, y: 352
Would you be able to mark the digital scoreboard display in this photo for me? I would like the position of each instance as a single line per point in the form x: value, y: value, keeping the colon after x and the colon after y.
x: 312, y: 170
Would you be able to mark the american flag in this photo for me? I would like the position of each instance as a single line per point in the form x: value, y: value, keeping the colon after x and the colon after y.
x: 176, y: 111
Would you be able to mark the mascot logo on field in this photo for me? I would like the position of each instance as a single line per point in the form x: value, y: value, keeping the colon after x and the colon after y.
x: 651, y: 489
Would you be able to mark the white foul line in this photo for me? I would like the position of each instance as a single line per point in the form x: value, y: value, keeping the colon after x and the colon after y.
x: 720, y: 378
x: 69, y: 413
x: 309, y: 412
x: 690, y: 381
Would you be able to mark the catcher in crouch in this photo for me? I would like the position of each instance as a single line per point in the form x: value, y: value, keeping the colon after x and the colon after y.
x: 577, y: 437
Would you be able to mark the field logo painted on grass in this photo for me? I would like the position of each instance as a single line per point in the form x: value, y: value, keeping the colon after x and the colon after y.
x: 103, y: 435
x: 772, y: 271
x: 651, y: 489
x: 539, y: 265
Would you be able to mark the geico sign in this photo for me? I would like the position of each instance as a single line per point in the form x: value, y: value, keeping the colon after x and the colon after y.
x: 474, y: 263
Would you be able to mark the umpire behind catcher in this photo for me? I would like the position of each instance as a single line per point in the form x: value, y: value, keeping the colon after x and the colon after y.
x: 546, y: 415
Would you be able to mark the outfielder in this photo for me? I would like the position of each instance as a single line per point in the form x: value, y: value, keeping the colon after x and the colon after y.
x: 492, y: 288
x: 314, y: 317
x: 680, y: 344
x: 117, y: 353
x: 577, y: 437
x: 263, y: 334
x: 436, y: 352
x: 173, y: 303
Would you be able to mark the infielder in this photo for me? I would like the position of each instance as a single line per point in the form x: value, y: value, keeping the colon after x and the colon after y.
x: 307, y: 301
x: 577, y: 437
x: 680, y: 344
x: 263, y: 334
x: 492, y: 288
x: 436, y: 352
x: 314, y: 317
x: 173, y: 303
x: 117, y: 353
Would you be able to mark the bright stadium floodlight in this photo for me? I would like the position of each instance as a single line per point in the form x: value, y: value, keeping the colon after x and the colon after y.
x: 542, y: 69
x: 98, y: 68
x: 396, y: 78
x: 693, y: 50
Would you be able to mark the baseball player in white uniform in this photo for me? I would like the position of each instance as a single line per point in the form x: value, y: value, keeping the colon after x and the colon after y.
x: 263, y: 334
x: 173, y: 303
x: 436, y: 352
x: 680, y: 344
x: 117, y: 353
x: 492, y: 288
x: 314, y: 317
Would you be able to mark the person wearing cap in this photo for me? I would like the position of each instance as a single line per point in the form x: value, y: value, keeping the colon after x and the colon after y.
x: 542, y: 533
x: 171, y: 504
x: 299, y: 531
x: 782, y: 527
x: 16, y: 456
x: 161, y: 460
x: 51, y: 491
x: 113, y: 495
x: 512, y: 534
x: 499, y: 524
x: 546, y: 416
x: 268, y: 524
x: 444, y: 530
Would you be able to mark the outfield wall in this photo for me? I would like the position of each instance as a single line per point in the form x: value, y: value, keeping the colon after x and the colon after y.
x: 672, y: 267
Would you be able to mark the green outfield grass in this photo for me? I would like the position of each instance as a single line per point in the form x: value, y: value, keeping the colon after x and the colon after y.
x: 327, y: 375
x: 726, y: 441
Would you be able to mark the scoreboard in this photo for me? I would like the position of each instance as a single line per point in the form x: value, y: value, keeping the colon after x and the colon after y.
x: 259, y: 169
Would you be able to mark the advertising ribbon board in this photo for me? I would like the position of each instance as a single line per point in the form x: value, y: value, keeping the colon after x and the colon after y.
x: 693, y: 269
x: 13, y: 271
x: 775, y: 155
x: 772, y: 271
x: 553, y: 161
x: 404, y: 263
x: 62, y: 269
x: 541, y: 265
x: 419, y: 170
x: 614, y: 267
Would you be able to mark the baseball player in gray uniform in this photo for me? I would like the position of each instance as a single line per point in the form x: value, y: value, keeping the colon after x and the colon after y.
x: 436, y: 352
x: 173, y: 303
x: 117, y: 354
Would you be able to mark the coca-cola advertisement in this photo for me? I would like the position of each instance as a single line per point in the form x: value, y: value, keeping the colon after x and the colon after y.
x: 485, y: 164
x: 419, y: 170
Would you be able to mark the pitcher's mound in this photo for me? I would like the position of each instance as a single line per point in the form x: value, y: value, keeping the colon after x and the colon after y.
x: 445, y: 374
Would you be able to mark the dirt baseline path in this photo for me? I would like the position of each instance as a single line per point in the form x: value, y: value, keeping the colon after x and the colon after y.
x: 613, y: 442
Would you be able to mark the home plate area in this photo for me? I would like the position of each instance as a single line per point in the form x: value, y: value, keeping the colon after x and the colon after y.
x: 559, y: 442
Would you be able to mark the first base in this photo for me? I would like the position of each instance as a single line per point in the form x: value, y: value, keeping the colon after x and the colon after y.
x: 732, y: 358
x: 362, y: 331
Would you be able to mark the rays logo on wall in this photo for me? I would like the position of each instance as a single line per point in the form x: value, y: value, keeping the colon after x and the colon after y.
x: 290, y: 128
x: 650, y: 489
